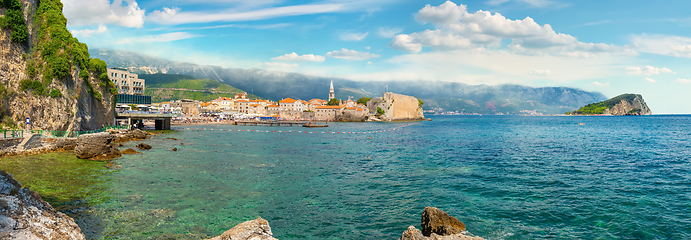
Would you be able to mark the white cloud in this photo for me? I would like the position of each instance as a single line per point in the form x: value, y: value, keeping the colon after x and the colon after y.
x: 165, y: 15
x: 231, y: 15
x: 481, y: 66
x: 280, y: 64
x: 351, y: 54
x: 650, y: 80
x: 353, y: 36
x: 389, y: 32
x: 436, y: 39
x: 299, y: 58
x: 664, y: 45
x: 167, y: 37
x: 484, y: 29
x: 681, y: 80
x: 445, y: 14
x: 88, y: 12
x: 600, y: 84
x: 87, y: 32
x: 368, y: 47
x: 647, y: 70
x: 541, y: 72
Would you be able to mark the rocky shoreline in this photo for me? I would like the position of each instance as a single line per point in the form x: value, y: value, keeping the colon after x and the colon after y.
x: 87, y: 146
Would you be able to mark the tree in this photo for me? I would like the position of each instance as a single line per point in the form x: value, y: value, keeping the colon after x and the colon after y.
x: 333, y: 102
x: 363, y: 100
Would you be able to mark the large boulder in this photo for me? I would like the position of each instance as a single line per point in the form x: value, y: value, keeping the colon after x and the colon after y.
x: 96, y: 146
x: 257, y: 229
x: 439, y: 222
x: 127, y: 135
x: 24, y: 215
x: 437, y: 225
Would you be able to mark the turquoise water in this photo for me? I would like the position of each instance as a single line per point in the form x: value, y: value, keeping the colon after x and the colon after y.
x: 505, y: 177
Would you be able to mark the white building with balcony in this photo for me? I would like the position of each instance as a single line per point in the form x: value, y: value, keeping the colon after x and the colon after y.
x: 126, y: 82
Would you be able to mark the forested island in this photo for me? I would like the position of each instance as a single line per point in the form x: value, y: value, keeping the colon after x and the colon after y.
x: 625, y: 104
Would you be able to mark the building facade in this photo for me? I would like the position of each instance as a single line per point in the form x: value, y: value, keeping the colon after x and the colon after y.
x: 126, y: 82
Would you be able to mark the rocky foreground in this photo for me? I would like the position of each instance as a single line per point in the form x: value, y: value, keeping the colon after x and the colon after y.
x: 24, y: 215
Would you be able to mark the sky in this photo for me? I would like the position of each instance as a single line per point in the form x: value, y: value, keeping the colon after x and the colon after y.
x: 612, y: 47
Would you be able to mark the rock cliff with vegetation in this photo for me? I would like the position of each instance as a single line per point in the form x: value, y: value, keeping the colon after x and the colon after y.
x: 625, y: 104
x: 46, y: 74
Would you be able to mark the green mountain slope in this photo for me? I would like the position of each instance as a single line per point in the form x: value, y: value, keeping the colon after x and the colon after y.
x: 169, y: 87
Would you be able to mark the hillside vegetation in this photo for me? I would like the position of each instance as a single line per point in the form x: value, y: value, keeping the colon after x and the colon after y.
x: 169, y: 87
x: 600, y: 107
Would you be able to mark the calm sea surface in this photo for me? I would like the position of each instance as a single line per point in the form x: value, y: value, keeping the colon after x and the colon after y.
x: 505, y: 177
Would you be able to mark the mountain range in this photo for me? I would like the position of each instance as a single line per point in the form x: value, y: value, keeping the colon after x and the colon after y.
x: 444, y: 96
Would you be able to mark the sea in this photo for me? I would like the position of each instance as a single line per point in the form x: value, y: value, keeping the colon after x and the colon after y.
x: 505, y: 177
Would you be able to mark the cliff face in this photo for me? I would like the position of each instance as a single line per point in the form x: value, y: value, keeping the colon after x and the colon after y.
x: 49, y: 78
x: 637, y: 106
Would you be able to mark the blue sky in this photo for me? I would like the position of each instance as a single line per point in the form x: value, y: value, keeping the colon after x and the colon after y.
x: 613, y: 47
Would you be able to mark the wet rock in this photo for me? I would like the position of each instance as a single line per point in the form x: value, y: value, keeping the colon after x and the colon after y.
x: 130, y: 151
x: 96, y: 146
x: 172, y: 139
x: 127, y: 135
x: 144, y: 146
x: 113, y: 166
x: 439, y: 222
x: 175, y: 149
x: 24, y: 215
x: 135, y: 198
x: 437, y: 225
x: 257, y: 229
x: 120, y: 145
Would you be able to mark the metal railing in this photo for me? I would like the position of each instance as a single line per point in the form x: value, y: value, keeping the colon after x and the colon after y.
x: 13, y: 133
x: 58, y: 134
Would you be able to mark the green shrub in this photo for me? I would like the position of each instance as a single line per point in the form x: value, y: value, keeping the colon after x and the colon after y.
x: 30, y: 69
x: 420, y: 103
x: 35, y: 86
x: 333, y: 102
x: 84, y: 74
x: 14, y: 20
x: 363, y: 100
x: 55, y: 93
x: 380, y: 111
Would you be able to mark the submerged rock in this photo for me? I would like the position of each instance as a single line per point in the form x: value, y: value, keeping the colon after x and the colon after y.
x: 257, y: 229
x: 24, y: 215
x: 130, y: 151
x: 437, y: 225
x: 96, y: 146
x: 144, y: 146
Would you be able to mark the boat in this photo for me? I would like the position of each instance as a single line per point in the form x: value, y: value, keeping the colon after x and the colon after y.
x: 314, y: 125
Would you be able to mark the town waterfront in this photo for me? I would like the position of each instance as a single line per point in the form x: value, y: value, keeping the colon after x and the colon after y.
x: 505, y: 177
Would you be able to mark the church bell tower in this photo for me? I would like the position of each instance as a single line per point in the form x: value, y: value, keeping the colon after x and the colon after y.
x: 332, y: 94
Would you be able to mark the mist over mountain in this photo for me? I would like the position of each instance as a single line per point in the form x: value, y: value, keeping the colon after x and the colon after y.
x: 450, y: 96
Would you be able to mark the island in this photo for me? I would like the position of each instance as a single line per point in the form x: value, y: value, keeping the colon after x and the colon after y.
x: 625, y: 104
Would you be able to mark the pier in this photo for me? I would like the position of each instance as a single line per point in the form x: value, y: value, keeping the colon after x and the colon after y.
x: 162, y: 120
x: 275, y: 123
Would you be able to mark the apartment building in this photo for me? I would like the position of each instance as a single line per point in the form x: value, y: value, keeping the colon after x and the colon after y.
x: 126, y: 82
